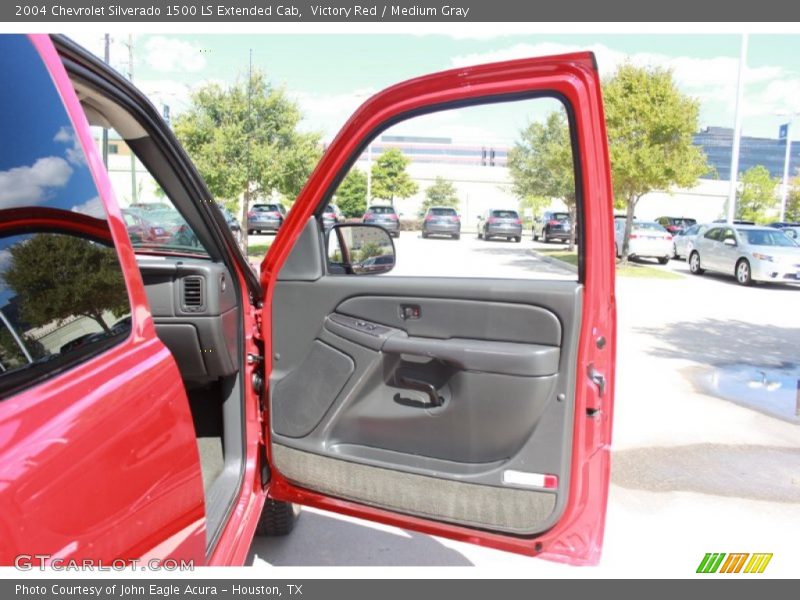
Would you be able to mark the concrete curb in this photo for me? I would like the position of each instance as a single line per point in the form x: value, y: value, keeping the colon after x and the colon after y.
x: 554, y: 261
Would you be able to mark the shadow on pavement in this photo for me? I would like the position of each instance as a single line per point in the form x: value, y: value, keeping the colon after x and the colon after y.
x: 769, y: 473
x: 321, y: 540
x: 525, y: 258
x: 719, y: 342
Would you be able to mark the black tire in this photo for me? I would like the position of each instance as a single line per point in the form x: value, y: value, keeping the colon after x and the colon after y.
x: 457, y: 236
x: 518, y: 239
x: 744, y: 273
x: 664, y: 260
x: 251, y: 231
x: 694, y: 264
x: 480, y: 234
x: 397, y: 234
x: 424, y: 235
x: 533, y: 233
x: 277, y: 518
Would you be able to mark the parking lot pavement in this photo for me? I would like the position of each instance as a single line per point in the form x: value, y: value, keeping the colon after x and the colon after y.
x: 692, y: 472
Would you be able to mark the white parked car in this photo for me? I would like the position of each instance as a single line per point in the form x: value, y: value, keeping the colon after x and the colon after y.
x: 683, y: 240
x: 748, y: 252
x: 648, y: 240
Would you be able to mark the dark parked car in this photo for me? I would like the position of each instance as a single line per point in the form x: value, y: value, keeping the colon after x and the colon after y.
x: 375, y: 264
x: 265, y: 217
x: 552, y: 226
x: 675, y: 224
x: 385, y: 216
x: 142, y: 231
x: 500, y: 223
x: 441, y: 220
x: 783, y: 224
x: 735, y: 222
x: 233, y: 223
x: 331, y: 216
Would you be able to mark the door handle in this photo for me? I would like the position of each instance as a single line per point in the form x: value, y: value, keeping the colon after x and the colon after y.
x: 434, y: 399
x: 598, y: 379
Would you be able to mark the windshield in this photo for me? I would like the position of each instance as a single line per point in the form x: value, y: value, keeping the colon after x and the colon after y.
x: 648, y: 226
x: 382, y: 210
x: 265, y: 208
x: 560, y: 216
x: 443, y: 212
x: 505, y: 214
x: 691, y: 230
x: 766, y: 237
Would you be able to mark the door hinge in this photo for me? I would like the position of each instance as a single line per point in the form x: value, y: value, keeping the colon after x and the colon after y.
x: 256, y: 311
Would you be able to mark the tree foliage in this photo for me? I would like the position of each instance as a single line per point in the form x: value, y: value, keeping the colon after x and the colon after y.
x: 351, y: 197
x: 61, y: 276
x: 650, y: 126
x: 390, y: 179
x: 541, y: 165
x: 756, y: 194
x: 244, y: 140
x: 440, y: 193
x: 793, y: 202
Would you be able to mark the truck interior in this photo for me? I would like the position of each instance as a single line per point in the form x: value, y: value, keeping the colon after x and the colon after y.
x: 195, y: 301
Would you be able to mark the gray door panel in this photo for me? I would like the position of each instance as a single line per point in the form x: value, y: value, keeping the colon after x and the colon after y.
x: 428, y: 412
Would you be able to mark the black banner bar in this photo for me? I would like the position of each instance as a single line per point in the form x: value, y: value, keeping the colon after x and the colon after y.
x: 383, y: 589
x: 455, y: 11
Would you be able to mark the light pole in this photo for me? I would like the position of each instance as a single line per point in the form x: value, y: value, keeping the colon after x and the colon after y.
x: 786, y: 158
x: 369, y: 174
x: 737, y: 130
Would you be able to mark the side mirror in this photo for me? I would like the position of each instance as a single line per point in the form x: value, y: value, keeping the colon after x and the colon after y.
x: 359, y: 249
x: 729, y: 242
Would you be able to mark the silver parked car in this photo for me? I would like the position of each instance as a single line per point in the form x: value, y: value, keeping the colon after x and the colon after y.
x: 648, y: 240
x: 441, y: 220
x: 683, y: 240
x: 500, y: 223
x: 748, y: 252
x: 265, y: 217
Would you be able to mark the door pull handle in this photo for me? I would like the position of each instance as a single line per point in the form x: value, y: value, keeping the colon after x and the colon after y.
x: 434, y: 399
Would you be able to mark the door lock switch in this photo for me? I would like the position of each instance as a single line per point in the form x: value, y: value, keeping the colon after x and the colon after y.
x: 410, y: 312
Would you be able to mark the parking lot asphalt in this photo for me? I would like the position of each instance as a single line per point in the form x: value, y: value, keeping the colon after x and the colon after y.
x: 696, y: 467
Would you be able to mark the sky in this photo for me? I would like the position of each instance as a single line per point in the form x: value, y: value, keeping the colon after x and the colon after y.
x: 330, y: 75
x: 45, y: 165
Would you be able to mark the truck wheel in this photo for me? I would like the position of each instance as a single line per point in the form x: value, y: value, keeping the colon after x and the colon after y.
x: 277, y: 518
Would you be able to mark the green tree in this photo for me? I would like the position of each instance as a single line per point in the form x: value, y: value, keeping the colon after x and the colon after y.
x: 351, y: 197
x: 756, y: 194
x: 368, y: 250
x: 533, y: 204
x: 61, y: 276
x: 440, y: 193
x: 541, y: 165
x: 650, y: 127
x: 390, y: 179
x: 793, y: 202
x: 245, y: 142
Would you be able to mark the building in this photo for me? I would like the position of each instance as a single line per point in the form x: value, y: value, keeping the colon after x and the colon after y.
x: 717, y: 143
x: 480, y: 174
